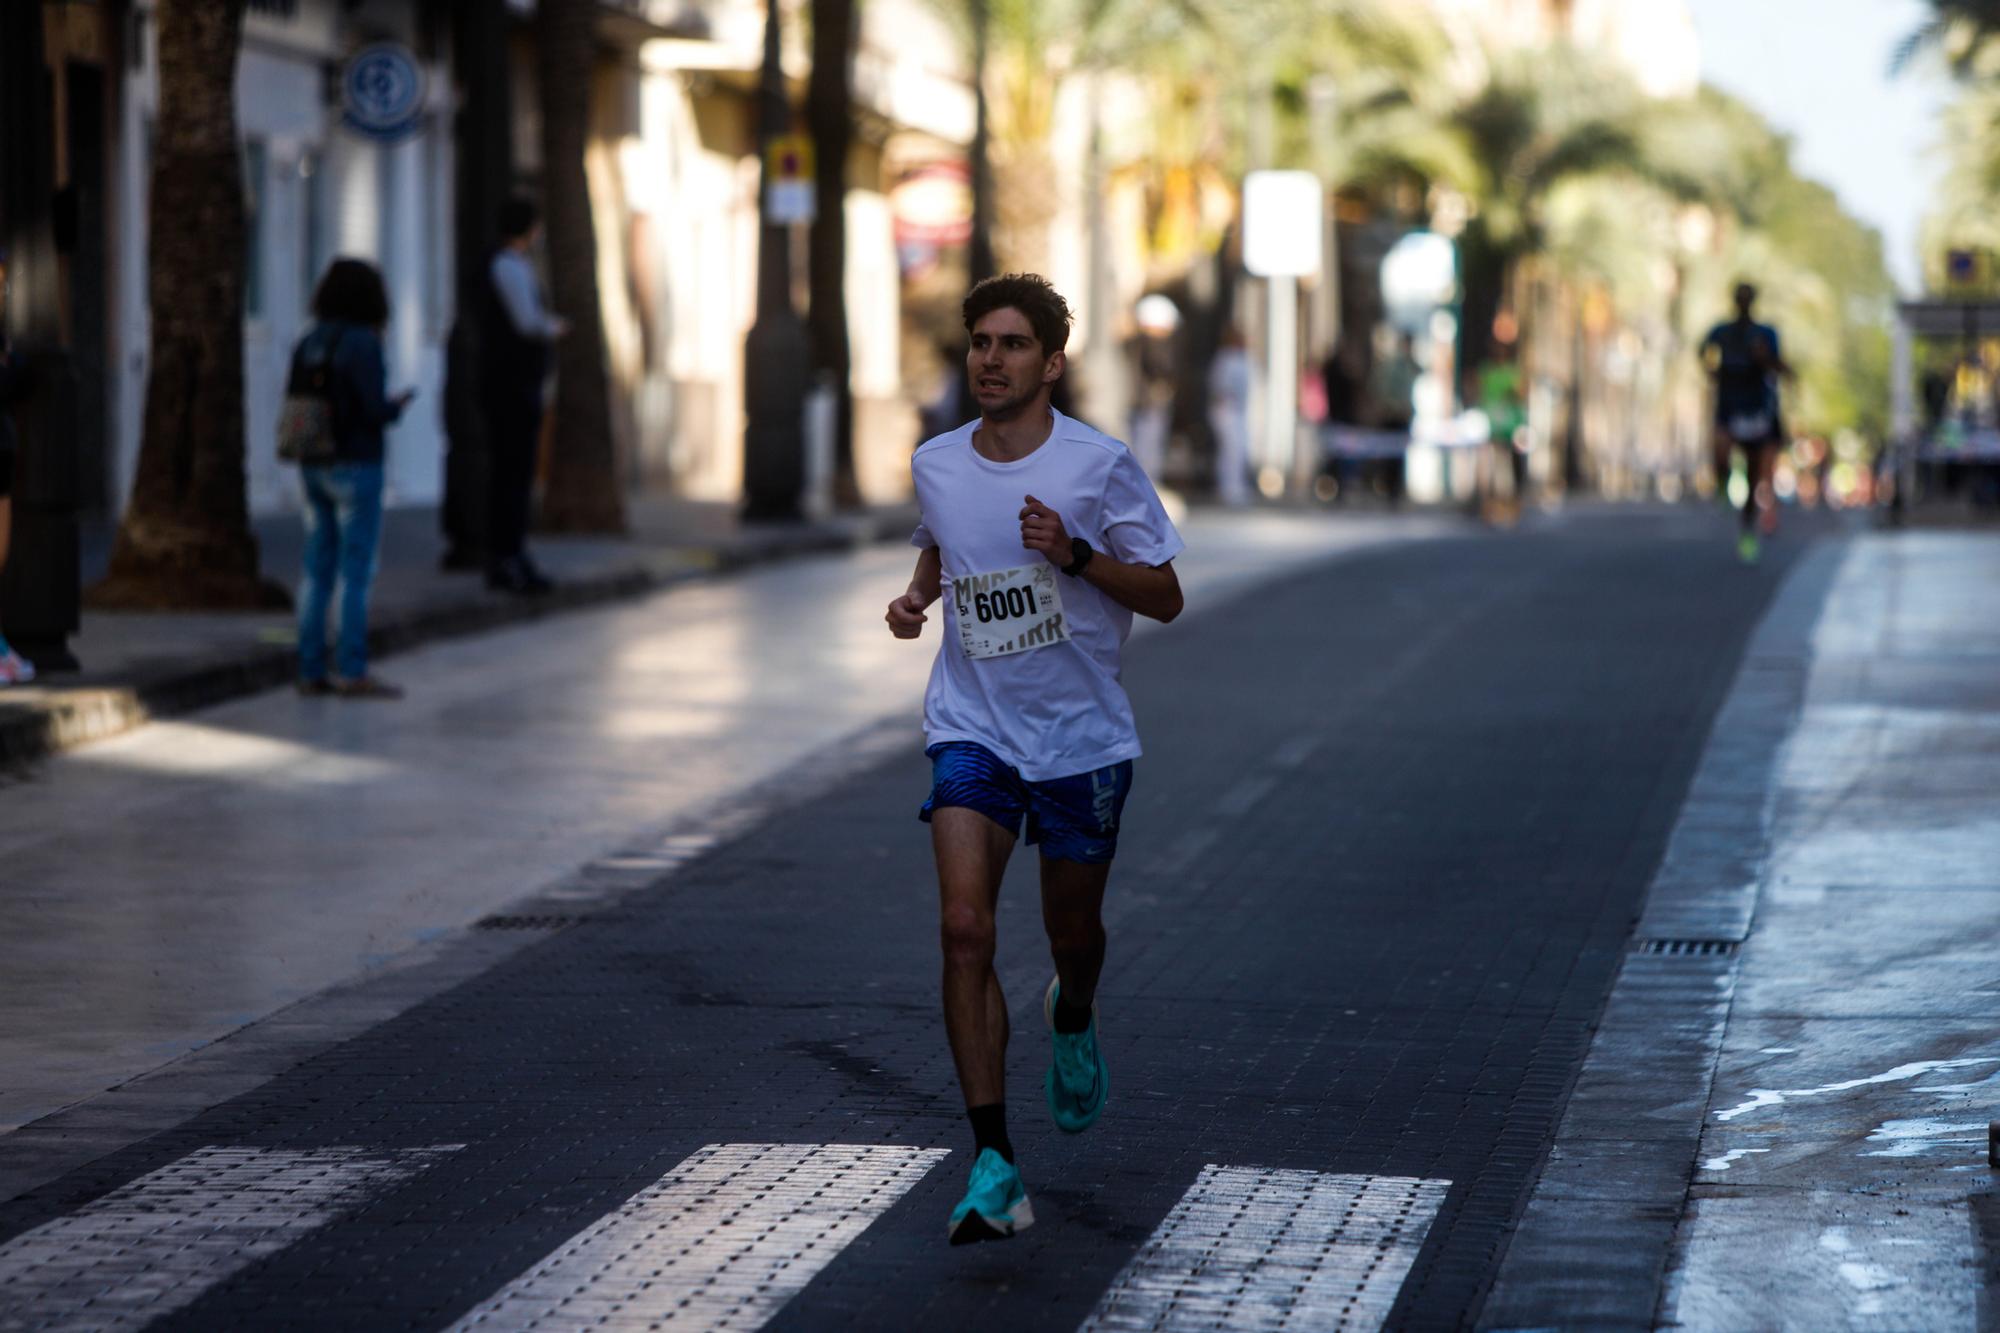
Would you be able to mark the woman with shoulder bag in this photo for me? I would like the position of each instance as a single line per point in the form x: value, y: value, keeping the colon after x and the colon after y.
x: 341, y: 358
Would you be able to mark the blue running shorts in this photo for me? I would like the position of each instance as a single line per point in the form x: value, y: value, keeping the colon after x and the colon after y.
x: 1073, y: 818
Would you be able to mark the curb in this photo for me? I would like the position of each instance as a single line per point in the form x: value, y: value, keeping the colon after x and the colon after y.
x: 78, y: 716
x: 1591, y: 1247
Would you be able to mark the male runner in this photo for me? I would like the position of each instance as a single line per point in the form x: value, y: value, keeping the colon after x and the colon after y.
x: 1742, y: 357
x: 1049, y: 537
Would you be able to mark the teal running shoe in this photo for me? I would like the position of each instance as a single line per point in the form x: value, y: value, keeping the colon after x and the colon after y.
x: 995, y: 1205
x: 1077, y: 1082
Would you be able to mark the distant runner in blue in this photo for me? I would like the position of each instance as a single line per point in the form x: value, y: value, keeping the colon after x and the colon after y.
x: 1743, y: 358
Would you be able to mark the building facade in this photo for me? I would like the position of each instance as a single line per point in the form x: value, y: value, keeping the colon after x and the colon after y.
x: 673, y: 170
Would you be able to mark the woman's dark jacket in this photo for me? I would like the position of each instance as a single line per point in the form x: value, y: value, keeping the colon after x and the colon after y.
x: 358, y: 386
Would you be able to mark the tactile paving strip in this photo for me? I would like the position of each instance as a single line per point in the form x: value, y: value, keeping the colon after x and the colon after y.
x: 1249, y: 1250
x: 154, y: 1245
x: 721, y: 1241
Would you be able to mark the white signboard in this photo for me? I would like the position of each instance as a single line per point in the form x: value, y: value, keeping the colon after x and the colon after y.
x: 1282, y: 223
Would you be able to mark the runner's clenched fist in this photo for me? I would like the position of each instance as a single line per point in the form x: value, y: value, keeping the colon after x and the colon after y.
x: 1042, y: 530
x: 906, y: 616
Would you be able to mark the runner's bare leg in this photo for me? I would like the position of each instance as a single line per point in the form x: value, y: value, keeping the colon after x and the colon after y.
x: 972, y: 854
x: 1073, y: 915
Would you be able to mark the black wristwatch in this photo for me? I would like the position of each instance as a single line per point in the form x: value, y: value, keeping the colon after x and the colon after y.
x: 1080, y: 553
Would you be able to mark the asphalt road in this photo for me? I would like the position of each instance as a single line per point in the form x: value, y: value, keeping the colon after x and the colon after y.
x: 1379, y: 864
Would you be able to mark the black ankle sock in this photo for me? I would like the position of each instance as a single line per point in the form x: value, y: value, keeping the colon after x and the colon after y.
x: 1070, y: 1019
x: 989, y: 1129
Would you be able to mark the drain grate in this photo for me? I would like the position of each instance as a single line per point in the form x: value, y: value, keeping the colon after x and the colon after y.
x: 1687, y: 948
x: 527, y: 922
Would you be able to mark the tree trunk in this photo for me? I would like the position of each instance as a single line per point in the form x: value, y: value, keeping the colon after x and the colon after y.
x: 185, y: 541
x: 1486, y: 278
x: 583, y: 487
x: 829, y: 110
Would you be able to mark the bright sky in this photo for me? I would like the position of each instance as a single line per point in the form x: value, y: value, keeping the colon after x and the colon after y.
x: 1819, y: 70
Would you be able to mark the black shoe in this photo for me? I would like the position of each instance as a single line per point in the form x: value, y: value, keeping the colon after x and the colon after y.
x: 537, y: 580
x: 518, y: 577
x: 367, y: 687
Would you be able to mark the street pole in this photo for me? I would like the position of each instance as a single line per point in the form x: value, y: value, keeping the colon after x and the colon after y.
x: 1283, y: 220
x: 1281, y: 383
x: 980, y: 259
x: 778, y: 353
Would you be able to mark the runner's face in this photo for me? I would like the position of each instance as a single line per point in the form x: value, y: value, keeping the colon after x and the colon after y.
x: 1005, y: 364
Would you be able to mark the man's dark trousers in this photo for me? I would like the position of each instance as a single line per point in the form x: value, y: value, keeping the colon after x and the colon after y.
x: 514, y: 427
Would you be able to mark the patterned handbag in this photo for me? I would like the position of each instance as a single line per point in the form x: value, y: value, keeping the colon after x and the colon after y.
x: 305, y: 418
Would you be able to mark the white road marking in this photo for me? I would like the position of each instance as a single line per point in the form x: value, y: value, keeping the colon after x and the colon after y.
x: 1250, y: 1250
x: 1295, y: 751
x: 1762, y: 1097
x: 1242, y: 798
x: 721, y: 1241
x: 155, y: 1245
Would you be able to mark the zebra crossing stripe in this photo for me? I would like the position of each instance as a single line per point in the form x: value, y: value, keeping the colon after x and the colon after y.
x: 1251, y: 1250
x: 155, y: 1245
x: 721, y: 1241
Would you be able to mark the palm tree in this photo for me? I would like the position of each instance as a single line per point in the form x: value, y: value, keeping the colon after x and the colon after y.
x: 829, y: 110
x: 1537, y: 119
x: 583, y: 493
x: 1961, y: 29
x: 1020, y: 53
x: 184, y: 541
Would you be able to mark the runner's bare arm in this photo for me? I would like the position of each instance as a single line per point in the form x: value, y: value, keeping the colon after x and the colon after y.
x: 1153, y: 591
x: 906, y: 614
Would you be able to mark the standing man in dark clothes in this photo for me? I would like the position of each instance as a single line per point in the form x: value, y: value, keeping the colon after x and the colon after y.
x: 519, y: 330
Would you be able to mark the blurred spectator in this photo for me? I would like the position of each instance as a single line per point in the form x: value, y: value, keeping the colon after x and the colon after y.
x: 1502, y: 397
x: 1229, y: 417
x: 1340, y: 382
x: 1395, y: 385
x: 1155, y: 366
x: 946, y: 408
x: 517, y: 332
x: 14, y: 668
x: 343, y: 497
x: 1342, y: 389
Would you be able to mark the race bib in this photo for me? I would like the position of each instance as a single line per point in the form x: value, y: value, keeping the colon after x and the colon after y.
x: 1009, y: 610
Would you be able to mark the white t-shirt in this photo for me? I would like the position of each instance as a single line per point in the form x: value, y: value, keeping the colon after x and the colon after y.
x: 1057, y: 709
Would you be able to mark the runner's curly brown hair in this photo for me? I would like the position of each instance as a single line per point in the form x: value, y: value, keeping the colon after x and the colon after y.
x: 1030, y: 293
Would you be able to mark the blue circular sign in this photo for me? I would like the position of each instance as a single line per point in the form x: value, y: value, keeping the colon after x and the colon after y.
x: 382, y: 91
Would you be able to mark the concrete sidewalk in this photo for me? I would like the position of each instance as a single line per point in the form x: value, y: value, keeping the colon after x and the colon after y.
x: 1782, y: 1121
x: 138, y: 666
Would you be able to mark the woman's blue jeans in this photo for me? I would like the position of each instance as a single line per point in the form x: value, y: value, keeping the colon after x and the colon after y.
x: 343, y: 533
